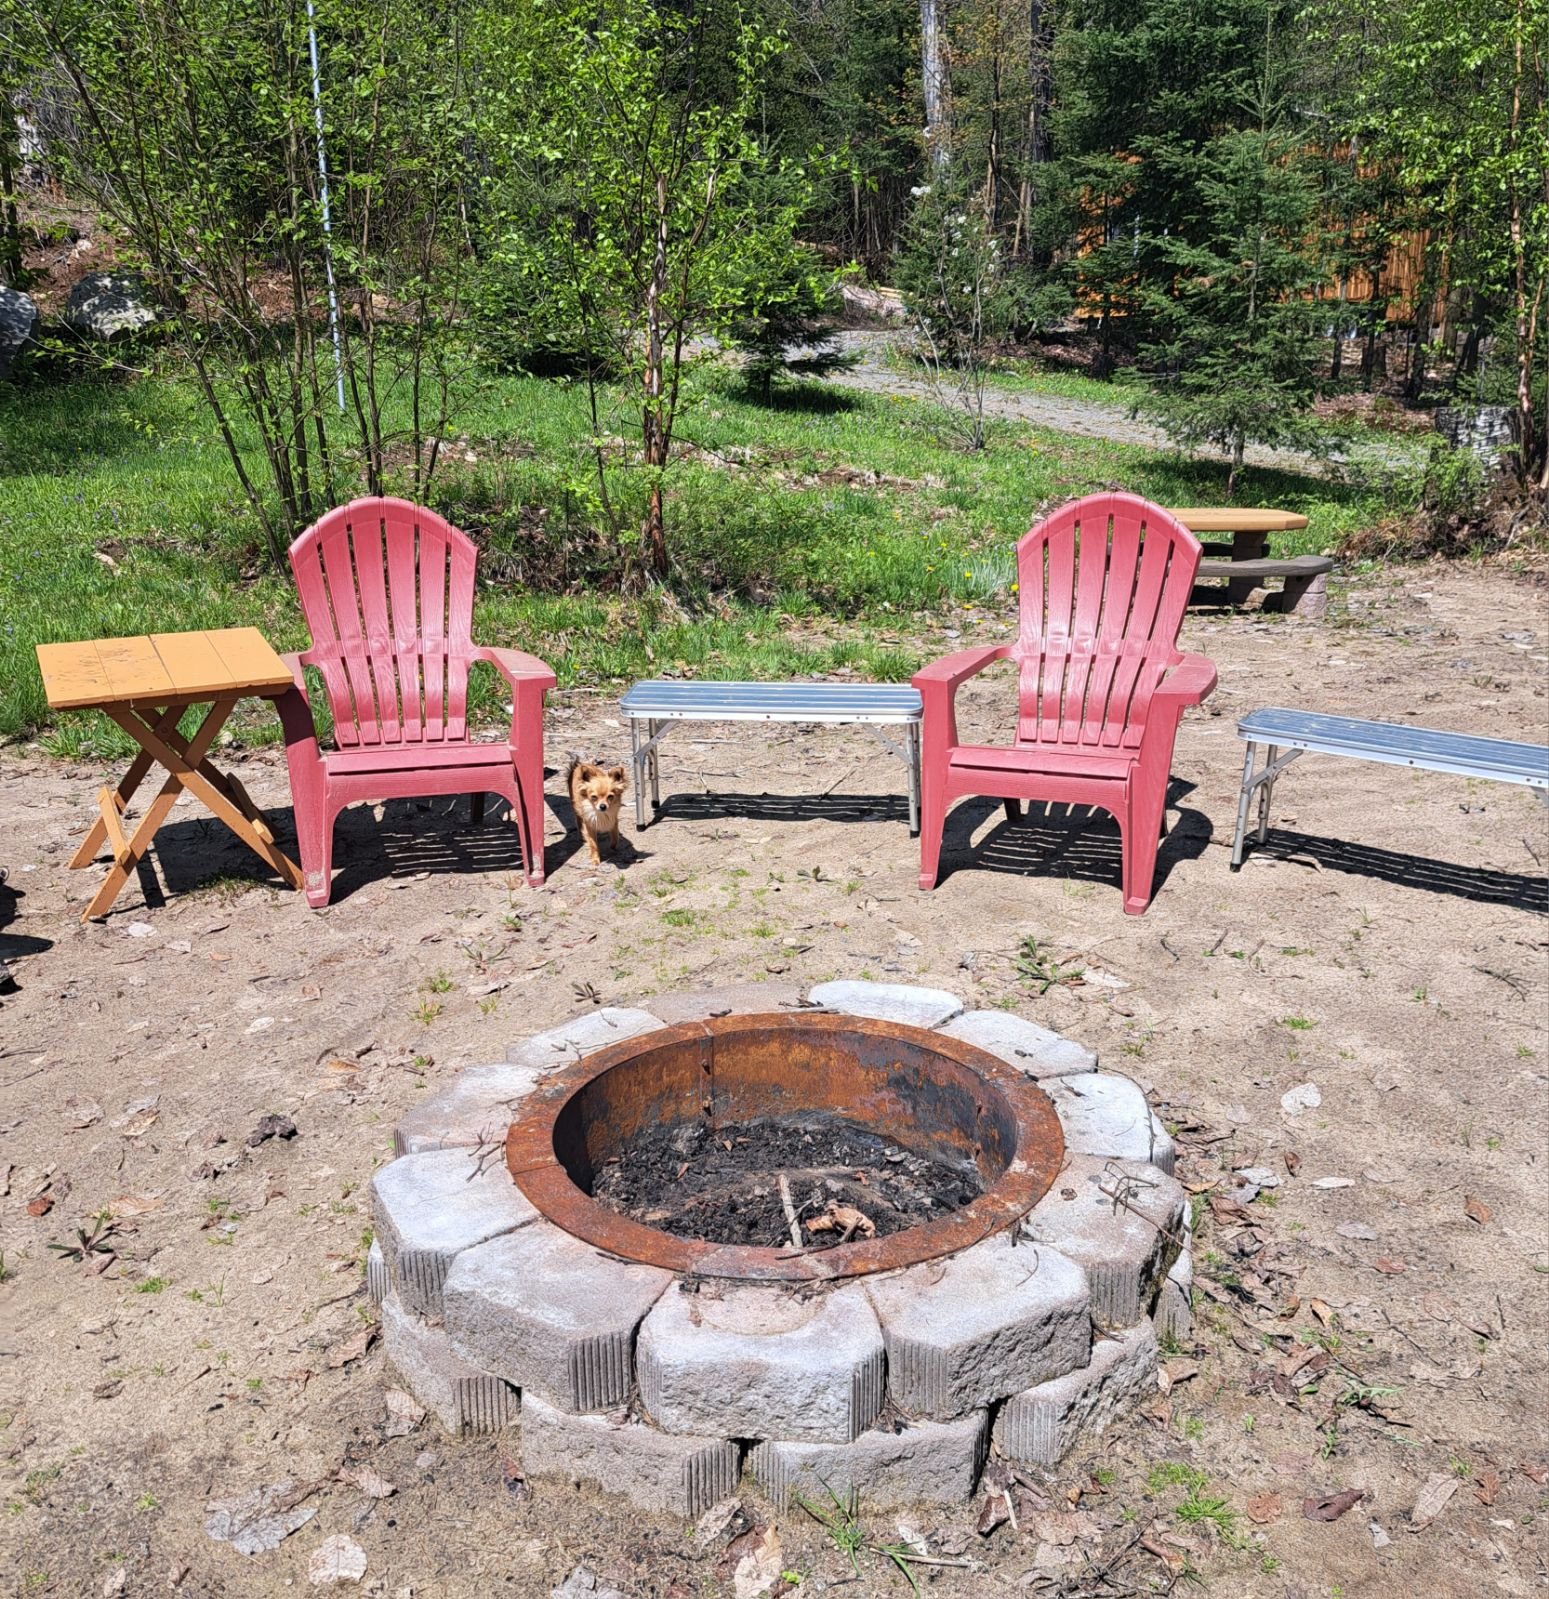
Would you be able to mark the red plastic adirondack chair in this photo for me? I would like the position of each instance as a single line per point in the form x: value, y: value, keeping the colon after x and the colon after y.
x: 387, y: 591
x: 1103, y: 585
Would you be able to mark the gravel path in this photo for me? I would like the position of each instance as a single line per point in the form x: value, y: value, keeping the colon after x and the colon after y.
x: 877, y: 375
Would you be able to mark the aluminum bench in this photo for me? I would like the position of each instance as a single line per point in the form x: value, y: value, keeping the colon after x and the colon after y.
x: 1429, y: 749
x: 653, y: 706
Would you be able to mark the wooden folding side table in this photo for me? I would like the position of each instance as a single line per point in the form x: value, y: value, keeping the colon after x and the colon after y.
x: 145, y: 684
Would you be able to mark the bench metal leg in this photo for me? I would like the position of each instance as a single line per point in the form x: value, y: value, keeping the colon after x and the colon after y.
x: 653, y: 748
x: 637, y: 765
x: 912, y: 743
x: 1244, y: 797
x: 1264, y: 782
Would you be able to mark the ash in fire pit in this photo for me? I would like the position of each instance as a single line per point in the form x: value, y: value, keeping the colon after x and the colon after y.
x: 723, y: 1184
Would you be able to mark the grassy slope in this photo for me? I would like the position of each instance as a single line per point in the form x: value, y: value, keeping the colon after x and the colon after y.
x: 133, y: 472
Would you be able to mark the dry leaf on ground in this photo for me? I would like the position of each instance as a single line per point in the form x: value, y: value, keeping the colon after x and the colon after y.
x: 255, y: 1522
x: 354, y: 1347
x: 80, y: 1111
x: 404, y: 1413
x: 1476, y: 1210
x: 758, y: 1569
x: 336, y: 1560
x: 1330, y: 1507
x: 1264, y: 1508
x: 1438, y: 1490
x: 372, y: 1483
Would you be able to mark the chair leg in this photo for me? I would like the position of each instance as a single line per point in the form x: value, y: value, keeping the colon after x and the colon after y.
x: 528, y: 814
x: 314, y: 826
x: 1141, y: 833
x: 933, y: 818
x: 477, y: 808
x: 1013, y: 810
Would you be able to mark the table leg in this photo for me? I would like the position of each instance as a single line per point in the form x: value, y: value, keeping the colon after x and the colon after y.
x: 188, y: 769
x: 97, y: 833
x: 1245, y: 547
x: 656, y: 770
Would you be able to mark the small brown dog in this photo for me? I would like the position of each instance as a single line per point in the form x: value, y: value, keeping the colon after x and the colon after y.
x: 597, y: 793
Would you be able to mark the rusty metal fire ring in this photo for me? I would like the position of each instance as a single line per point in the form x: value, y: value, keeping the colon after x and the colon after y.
x: 930, y: 1093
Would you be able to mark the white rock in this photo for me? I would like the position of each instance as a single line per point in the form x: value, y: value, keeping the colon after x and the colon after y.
x: 888, y: 1002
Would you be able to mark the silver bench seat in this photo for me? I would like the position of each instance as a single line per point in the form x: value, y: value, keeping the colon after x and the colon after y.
x: 1429, y: 749
x: 653, y: 705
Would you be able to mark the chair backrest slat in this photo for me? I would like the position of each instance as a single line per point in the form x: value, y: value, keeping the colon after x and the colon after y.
x: 387, y: 590
x: 1103, y: 583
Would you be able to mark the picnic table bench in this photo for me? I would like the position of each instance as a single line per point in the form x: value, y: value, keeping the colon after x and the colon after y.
x: 653, y: 706
x: 1429, y: 749
x: 1248, y: 563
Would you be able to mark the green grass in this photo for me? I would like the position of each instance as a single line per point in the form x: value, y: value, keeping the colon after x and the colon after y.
x: 790, y: 564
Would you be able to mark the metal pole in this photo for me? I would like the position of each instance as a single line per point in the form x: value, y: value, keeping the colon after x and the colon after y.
x: 322, y: 173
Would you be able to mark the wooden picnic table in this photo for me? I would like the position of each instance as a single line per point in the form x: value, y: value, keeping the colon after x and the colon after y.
x: 145, y: 684
x: 1250, y: 528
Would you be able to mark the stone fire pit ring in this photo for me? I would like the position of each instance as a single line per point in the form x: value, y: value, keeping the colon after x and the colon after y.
x: 662, y: 1368
x: 922, y: 1089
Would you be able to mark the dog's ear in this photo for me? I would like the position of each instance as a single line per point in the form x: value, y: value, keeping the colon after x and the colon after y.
x: 617, y: 774
x: 586, y: 771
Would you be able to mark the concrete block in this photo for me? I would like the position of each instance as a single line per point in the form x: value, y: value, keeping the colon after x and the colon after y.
x: 1173, y: 1313
x: 551, y: 1315
x: 1123, y: 1221
x: 734, y: 999
x: 655, y: 1470
x: 1105, y: 1113
x: 755, y: 1363
x: 1021, y: 1043
x: 925, y: 1462
x: 475, y: 1108
x: 377, y: 1285
x: 581, y: 1035
x: 1037, y: 1427
x: 888, y: 1002
x: 460, y: 1396
x: 964, y: 1332
x: 428, y: 1207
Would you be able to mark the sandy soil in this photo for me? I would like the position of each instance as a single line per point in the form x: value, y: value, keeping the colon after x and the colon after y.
x: 1387, y: 946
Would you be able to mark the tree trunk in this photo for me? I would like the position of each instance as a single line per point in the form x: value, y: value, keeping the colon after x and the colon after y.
x: 1039, y: 149
x: 936, y: 82
x: 1526, y: 320
x: 653, y: 420
x: 1236, y: 468
x: 10, y: 165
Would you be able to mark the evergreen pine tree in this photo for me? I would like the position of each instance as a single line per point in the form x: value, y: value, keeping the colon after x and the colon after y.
x: 788, y: 332
x: 1236, y: 328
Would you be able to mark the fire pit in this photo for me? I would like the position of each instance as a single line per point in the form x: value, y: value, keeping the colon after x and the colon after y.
x: 749, y: 1083
x: 844, y: 1238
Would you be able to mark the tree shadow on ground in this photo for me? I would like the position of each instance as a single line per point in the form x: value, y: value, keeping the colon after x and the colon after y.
x: 1518, y: 890
x: 810, y: 399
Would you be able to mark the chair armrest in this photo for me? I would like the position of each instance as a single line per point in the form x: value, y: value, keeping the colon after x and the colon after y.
x: 295, y: 709
x: 951, y: 670
x: 1189, y: 682
x: 295, y: 661
x: 518, y: 668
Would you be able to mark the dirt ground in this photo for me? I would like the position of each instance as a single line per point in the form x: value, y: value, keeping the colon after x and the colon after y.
x: 1387, y: 946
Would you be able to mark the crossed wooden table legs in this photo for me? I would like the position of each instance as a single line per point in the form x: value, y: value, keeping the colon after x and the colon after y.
x: 188, y: 768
